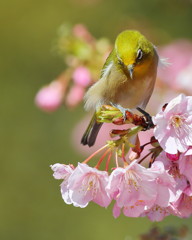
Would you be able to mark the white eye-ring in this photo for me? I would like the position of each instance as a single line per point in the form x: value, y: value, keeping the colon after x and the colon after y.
x: 119, y: 60
x: 139, y: 54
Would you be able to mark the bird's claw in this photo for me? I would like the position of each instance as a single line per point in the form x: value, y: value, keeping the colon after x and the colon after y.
x: 149, y: 122
x: 121, y: 109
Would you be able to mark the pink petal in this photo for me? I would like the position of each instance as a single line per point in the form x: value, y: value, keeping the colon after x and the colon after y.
x: 116, y: 211
x: 135, y: 210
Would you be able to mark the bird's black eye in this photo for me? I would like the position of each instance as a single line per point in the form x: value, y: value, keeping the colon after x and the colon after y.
x: 139, y: 54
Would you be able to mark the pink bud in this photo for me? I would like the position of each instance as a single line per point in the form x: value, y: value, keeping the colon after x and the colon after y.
x: 50, y: 97
x: 75, y: 96
x: 82, y: 77
x: 80, y: 31
x: 173, y: 157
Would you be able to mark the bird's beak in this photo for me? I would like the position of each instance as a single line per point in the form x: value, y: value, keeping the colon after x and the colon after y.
x: 130, y: 69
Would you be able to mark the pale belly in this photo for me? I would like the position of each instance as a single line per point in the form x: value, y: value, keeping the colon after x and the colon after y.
x: 129, y: 93
x: 136, y: 95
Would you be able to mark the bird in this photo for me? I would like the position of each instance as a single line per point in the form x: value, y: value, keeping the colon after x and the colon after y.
x: 127, y: 79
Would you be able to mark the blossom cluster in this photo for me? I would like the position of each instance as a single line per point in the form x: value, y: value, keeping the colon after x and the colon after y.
x: 157, y: 188
x: 154, y: 185
x: 83, y: 56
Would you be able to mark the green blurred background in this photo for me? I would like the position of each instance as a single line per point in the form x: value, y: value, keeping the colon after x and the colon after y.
x: 30, y: 204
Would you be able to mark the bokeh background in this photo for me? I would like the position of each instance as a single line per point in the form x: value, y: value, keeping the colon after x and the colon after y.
x: 30, y: 204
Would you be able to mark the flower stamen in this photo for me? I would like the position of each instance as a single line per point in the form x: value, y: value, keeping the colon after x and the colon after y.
x: 177, y: 121
x: 132, y: 179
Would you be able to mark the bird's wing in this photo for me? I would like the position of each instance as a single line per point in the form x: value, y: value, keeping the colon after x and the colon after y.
x: 108, y: 65
x: 94, y: 96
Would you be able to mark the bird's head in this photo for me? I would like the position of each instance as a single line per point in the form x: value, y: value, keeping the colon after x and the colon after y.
x: 133, y: 52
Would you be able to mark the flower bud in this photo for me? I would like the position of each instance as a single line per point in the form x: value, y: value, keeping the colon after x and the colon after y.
x: 50, y: 97
x: 75, y: 96
x: 173, y: 157
x: 82, y: 77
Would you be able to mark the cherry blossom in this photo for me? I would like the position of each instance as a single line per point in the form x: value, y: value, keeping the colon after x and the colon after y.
x: 183, y: 206
x: 165, y: 185
x: 88, y: 184
x: 174, y: 125
x: 132, y: 184
x: 62, y: 171
x: 157, y: 213
x: 172, y: 168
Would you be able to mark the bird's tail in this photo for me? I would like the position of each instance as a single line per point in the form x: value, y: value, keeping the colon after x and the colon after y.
x: 91, y: 132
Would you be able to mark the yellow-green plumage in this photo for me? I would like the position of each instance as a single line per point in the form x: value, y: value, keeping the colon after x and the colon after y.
x: 127, y: 78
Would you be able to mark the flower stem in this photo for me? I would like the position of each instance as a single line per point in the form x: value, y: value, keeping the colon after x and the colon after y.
x: 123, y: 152
x: 144, y: 145
x: 144, y: 157
x: 102, y: 157
x: 116, y: 159
x: 92, y: 155
x: 108, y: 161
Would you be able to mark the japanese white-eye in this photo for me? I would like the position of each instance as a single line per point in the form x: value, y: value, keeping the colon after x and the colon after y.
x: 127, y: 79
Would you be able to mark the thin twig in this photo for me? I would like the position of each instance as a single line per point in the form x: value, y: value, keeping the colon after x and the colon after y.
x: 144, y: 157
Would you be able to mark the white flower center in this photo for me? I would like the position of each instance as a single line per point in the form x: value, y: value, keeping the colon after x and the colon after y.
x: 180, y: 125
x: 91, y: 183
x: 132, y: 179
x: 177, y: 121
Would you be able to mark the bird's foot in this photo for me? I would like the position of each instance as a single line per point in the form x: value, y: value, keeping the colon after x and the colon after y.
x: 121, y: 109
x: 148, y: 118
